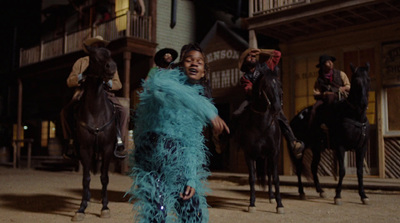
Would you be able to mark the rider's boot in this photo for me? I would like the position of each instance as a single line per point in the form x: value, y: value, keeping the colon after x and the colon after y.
x: 297, y: 146
x: 68, y: 149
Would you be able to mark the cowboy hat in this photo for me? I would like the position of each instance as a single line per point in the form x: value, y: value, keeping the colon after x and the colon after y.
x: 158, y: 58
x: 244, y: 55
x: 323, y: 58
x: 93, y: 40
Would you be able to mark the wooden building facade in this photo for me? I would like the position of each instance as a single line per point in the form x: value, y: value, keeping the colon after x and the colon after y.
x: 42, y: 90
x: 357, y: 32
x: 222, y: 48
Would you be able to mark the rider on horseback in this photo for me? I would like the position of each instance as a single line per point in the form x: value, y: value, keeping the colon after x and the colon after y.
x: 163, y: 59
x: 76, y: 77
x: 331, y: 85
x: 249, y: 63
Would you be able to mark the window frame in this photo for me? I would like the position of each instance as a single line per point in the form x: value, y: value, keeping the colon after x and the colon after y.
x: 386, y: 131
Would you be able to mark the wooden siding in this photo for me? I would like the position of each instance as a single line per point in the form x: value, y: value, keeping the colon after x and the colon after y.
x: 136, y: 26
x: 392, y: 157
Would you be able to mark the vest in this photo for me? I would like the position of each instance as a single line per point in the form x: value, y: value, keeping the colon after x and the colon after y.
x: 326, y: 85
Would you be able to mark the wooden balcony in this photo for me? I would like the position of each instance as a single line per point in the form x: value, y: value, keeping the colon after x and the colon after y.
x: 293, y: 19
x: 126, y: 25
x: 259, y: 7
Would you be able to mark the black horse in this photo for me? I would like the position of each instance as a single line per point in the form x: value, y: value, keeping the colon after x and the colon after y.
x: 259, y: 136
x: 349, y: 130
x: 96, y: 128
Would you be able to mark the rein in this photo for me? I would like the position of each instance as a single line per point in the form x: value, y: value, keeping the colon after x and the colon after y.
x: 268, y: 107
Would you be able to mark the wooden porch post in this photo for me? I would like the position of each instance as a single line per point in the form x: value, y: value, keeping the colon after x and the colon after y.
x: 127, y: 71
x: 19, y: 123
x: 126, y: 87
x: 153, y: 14
x: 252, y: 39
x: 252, y: 32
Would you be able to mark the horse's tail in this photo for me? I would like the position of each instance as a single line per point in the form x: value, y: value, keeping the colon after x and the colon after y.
x: 261, y: 167
x: 300, y: 126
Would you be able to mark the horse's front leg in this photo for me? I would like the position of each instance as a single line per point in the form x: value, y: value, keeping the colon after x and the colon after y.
x: 105, y: 211
x: 342, y: 172
x: 271, y: 194
x: 252, y: 178
x: 360, y: 154
x: 86, y: 163
x: 314, y: 169
x: 274, y: 161
x: 299, y: 170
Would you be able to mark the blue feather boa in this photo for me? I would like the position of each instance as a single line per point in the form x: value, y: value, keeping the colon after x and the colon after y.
x: 170, y: 152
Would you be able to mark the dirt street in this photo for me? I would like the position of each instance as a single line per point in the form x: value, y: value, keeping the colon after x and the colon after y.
x: 44, y: 196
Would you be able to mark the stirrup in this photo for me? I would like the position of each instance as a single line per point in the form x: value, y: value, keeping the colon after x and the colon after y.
x: 121, y: 154
x: 324, y: 127
x: 68, y: 152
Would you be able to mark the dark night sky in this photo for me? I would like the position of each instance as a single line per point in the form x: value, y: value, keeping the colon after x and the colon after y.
x: 20, y: 27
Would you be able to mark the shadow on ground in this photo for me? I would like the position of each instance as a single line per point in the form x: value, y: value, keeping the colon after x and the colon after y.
x: 54, y: 204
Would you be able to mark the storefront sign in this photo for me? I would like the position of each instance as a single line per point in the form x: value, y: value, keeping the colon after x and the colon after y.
x: 391, y: 63
x: 224, y: 71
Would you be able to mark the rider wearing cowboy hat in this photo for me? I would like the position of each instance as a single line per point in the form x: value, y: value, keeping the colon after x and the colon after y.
x: 249, y: 63
x: 75, y: 78
x: 330, y: 86
x: 163, y: 59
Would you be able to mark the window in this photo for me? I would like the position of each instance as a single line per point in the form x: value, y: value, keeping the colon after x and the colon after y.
x: 48, y: 132
x: 305, y: 75
x: 391, y: 88
x: 391, y: 113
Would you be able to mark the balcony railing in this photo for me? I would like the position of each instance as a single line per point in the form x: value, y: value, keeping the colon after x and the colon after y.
x: 122, y: 26
x: 258, y: 7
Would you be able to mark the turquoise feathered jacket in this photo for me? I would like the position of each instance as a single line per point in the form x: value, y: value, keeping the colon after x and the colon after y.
x: 169, y: 149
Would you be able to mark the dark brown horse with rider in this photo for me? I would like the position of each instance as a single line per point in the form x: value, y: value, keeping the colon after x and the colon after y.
x: 348, y: 129
x: 96, y: 125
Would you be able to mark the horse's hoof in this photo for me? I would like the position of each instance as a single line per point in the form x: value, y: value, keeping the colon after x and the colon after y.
x: 338, y: 201
x: 252, y: 209
x: 323, y: 195
x: 280, y: 210
x: 105, y: 213
x: 272, y: 201
x: 78, y: 216
x: 365, y: 201
x: 302, y: 196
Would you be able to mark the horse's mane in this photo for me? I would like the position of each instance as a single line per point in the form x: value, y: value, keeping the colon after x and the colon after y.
x: 269, y: 75
x: 360, y: 82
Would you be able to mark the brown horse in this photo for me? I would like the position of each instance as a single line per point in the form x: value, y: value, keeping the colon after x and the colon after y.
x: 348, y: 130
x: 96, y: 129
x: 259, y: 136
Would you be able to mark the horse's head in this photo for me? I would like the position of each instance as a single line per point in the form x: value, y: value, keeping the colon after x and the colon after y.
x: 360, y: 83
x: 101, y: 65
x: 268, y: 94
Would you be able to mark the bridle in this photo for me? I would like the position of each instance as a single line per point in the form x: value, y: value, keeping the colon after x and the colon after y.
x: 94, y: 129
x: 268, y: 107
